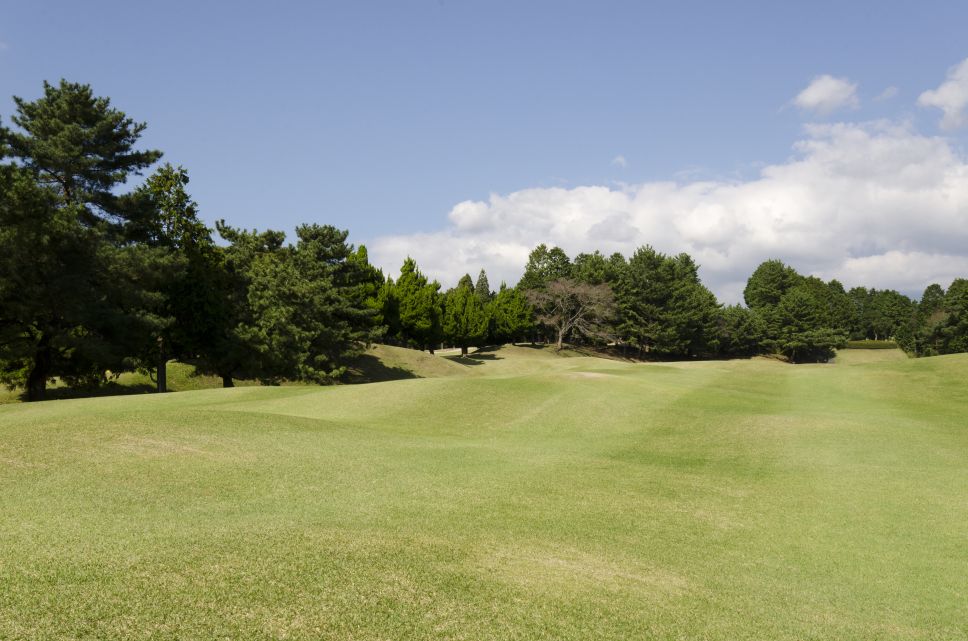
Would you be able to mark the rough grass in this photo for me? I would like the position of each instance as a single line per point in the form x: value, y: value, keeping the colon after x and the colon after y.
x: 525, y: 497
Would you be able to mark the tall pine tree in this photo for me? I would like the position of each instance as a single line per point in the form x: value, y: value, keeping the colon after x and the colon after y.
x: 85, y: 278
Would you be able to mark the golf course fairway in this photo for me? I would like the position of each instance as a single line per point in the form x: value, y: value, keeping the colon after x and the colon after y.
x: 521, y: 495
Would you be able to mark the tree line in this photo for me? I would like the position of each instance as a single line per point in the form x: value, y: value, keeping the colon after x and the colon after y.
x: 97, y: 279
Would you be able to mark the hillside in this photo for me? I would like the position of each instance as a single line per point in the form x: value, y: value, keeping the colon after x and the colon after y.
x: 519, y: 495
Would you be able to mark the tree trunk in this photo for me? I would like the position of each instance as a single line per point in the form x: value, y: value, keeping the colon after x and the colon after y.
x: 463, y: 350
x: 37, y: 379
x: 561, y: 341
x: 227, y: 380
x: 431, y: 350
x: 162, y: 367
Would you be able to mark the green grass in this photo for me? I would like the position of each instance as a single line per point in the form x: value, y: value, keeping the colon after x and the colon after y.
x: 524, y: 496
x: 871, y: 344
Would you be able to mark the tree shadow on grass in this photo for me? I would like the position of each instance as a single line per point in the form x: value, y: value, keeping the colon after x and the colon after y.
x: 108, y: 389
x: 367, y: 368
x: 466, y: 361
x: 486, y: 353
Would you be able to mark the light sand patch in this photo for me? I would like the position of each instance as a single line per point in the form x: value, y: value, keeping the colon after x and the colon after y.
x: 16, y: 463
x: 589, y: 375
x: 154, y: 448
x: 568, y: 569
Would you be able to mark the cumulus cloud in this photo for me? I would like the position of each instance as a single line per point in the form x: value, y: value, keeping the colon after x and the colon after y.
x: 619, y: 161
x: 826, y: 94
x: 951, y: 97
x: 875, y: 204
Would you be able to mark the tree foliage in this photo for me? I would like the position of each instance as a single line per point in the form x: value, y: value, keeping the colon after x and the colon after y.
x: 67, y: 237
x: 465, y: 316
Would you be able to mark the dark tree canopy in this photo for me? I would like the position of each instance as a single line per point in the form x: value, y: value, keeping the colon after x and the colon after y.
x: 90, y: 290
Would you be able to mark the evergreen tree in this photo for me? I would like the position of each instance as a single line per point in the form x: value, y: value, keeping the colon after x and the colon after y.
x: 465, y: 319
x: 798, y: 330
x: 482, y: 288
x: 246, y: 263
x: 90, y: 286
x: 388, y: 305
x: 665, y: 309
x: 741, y: 332
x: 370, y: 292
x: 301, y: 310
x: 932, y: 300
x: 954, y: 329
x: 544, y: 265
x: 419, y: 307
x: 193, y: 306
x: 512, y: 316
x: 768, y: 283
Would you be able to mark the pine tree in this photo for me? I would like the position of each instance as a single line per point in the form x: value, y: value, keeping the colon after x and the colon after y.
x: 87, y: 302
x: 799, y: 330
x: 239, y: 348
x: 664, y: 308
x: 768, y: 283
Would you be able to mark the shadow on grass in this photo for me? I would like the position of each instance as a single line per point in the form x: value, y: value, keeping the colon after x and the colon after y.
x: 367, y: 368
x: 108, y: 389
x: 466, y: 361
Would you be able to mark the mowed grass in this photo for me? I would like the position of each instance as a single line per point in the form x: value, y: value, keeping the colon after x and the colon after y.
x: 525, y: 497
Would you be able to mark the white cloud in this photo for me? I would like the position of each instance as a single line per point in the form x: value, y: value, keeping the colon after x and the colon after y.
x: 826, y: 94
x: 887, y: 94
x: 951, y: 97
x: 873, y: 204
x: 619, y: 161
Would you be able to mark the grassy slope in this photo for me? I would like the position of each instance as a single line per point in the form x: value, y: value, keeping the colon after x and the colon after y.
x: 534, y: 497
x: 377, y: 363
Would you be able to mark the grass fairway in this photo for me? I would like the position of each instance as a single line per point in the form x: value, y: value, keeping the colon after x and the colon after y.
x: 523, y: 497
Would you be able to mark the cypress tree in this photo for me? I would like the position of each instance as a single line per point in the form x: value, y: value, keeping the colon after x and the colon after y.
x: 465, y: 319
x: 419, y: 307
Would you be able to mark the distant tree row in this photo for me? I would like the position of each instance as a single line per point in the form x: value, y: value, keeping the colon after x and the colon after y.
x: 97, y: 280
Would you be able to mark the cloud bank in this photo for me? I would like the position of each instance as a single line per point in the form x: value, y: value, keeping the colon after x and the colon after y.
x: 873, y: 204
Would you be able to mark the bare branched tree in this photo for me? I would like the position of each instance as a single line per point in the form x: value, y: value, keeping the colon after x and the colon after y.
x: 566, y: 305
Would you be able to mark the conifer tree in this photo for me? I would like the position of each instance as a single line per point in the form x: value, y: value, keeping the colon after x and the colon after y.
x: 193, y: 307
x: 483, y: 289
x: 465, y: 321
x: 511, y: 315
x: 87, y: 286
x: 419, y: 307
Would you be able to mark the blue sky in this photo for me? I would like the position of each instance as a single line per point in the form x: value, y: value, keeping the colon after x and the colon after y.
x: 385, y: 117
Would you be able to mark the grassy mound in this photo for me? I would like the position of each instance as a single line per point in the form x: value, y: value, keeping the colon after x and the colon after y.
x: 387, y: 363
x: 378, y: 363
x: 871, y: 344
x: 536, y: 497
x: 852, y: 356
